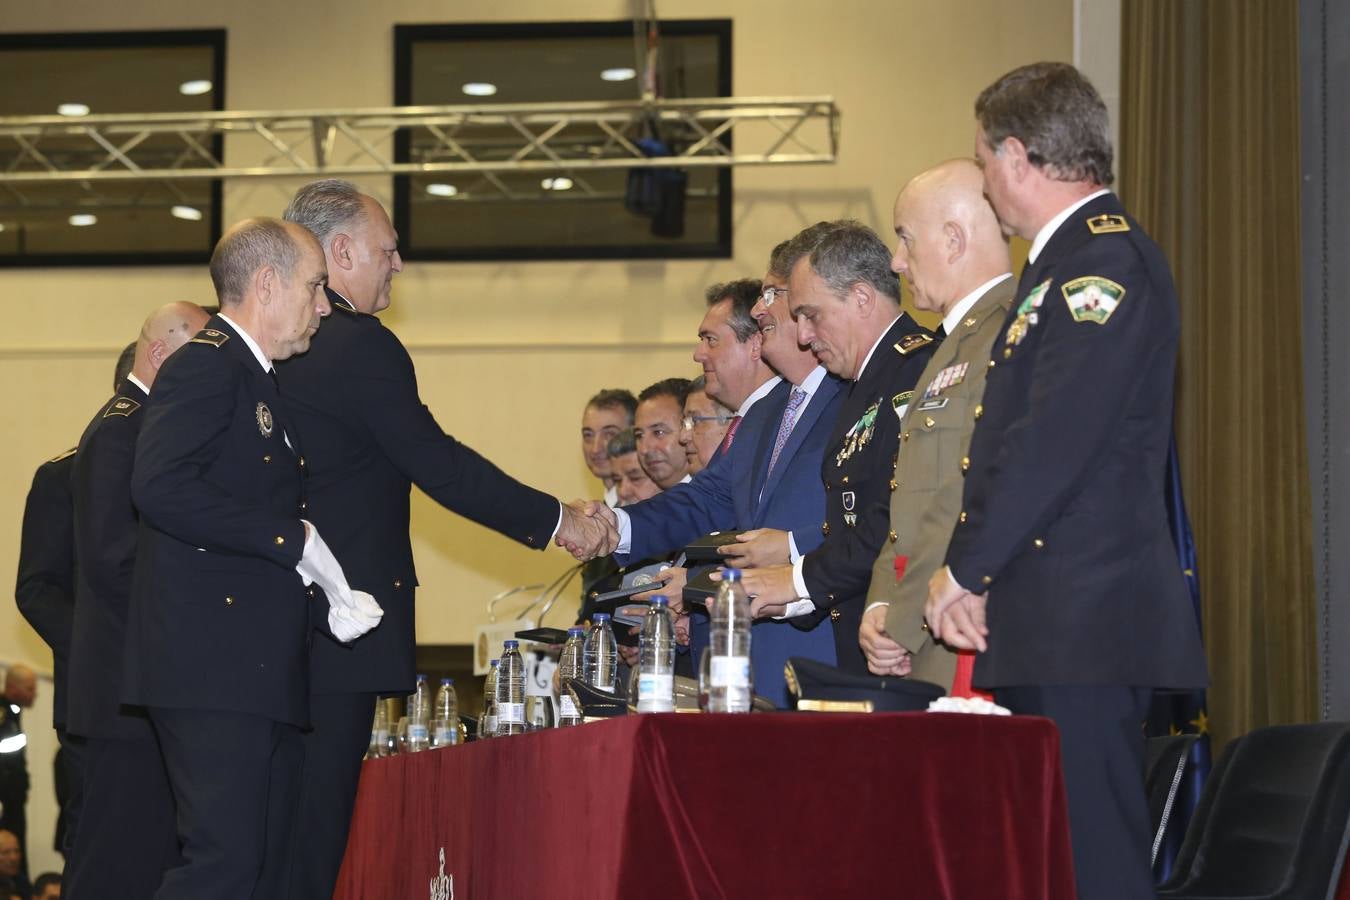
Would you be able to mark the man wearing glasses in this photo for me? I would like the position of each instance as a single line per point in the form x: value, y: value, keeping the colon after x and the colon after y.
x: 704, y: 426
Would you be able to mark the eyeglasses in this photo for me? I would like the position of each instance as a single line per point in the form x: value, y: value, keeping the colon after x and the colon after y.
x: 689, y: 422
x: 772, y: 294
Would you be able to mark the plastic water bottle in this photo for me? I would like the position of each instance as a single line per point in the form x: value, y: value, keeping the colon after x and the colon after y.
x: 445, y: 723
x: 600, y: 654
x: 727, y: 674
x: 656, y: 659
x: 487, y: 722
x: 511, y: 690
x: 419, y: 715
x: 570, y: 669
x: 379, y: 732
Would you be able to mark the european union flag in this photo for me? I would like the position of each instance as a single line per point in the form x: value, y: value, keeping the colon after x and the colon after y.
x: 1181, y: 712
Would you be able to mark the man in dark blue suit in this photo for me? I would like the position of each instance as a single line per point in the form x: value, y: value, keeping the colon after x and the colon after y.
x: 128, y: 838
x: 220, y: 623
x: 1061, y: 569
x: 767, y: 484
x: 370, y: 438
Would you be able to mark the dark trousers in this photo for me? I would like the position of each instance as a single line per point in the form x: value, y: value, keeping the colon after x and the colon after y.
x: 234, y: 779
x: 127, y: 839
x: 333, y: 750
x: 1102, y: 746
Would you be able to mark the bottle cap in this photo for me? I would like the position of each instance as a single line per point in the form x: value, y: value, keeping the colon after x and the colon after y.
x: 446, y: 681
x: 575, y: 630
x: 421, y: 677
x: 600, y: 617
x: 660, y: 600
x: 493, y: 662
x: 731, y: 574
x: 510, y: 645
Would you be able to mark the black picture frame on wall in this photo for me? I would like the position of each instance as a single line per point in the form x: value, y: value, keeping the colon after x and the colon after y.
x: 213, y: 40
x: 417, y: 246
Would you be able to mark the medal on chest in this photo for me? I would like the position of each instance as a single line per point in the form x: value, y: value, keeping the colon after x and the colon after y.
x: 850, y: 500
x: 858, y: 435
x: 264, y: 420
x: 1027, y: 316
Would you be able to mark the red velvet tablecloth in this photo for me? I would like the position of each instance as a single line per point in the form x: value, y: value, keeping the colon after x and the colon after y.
x: 773, y: 806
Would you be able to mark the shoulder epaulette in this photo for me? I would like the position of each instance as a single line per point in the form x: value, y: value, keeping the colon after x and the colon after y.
x: 1107, y: 224
x: 212, y: 336
x: 60, y: 456
x: 121, y: 406
x: 911, y: 342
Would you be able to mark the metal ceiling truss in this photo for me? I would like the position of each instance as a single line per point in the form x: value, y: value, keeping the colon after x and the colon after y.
x: 491, y: 141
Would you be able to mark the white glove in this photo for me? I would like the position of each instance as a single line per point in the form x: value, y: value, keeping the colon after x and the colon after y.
x: 350, y: 613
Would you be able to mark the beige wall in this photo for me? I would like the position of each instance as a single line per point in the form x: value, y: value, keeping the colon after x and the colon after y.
x: 507, y: 352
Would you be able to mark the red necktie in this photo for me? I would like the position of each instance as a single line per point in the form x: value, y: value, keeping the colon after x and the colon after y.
x: 731, y: 433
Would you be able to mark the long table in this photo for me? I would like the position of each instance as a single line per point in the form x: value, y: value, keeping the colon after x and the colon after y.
x: 771, y: 806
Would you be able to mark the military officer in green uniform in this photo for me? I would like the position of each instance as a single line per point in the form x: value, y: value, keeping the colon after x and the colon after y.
x: 954, y: 255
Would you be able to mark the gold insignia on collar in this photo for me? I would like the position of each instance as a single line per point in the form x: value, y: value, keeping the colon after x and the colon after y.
x: 344, y: 304
x: 213, y: 336
x: 60, y: 456
x: 1107, y: 224
x: 969, y: 322
x: 121, y: 406
x: 911, y: 342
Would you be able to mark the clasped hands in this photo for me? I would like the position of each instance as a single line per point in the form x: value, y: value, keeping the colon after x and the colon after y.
x: 588, y: 529
x: 955, y: 616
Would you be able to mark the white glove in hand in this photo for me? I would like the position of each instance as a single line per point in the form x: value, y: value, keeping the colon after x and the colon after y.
x: 350, y: 613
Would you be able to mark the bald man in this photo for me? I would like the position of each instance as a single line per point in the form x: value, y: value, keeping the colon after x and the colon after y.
x: 20, y: 691
x: 954, y: 256
x: 125, y: 835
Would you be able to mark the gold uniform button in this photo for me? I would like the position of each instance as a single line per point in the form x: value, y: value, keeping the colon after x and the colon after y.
x: 965, y: 464
x: 302, y: 462
x: 987, y: 580
x: 267, y: 458
x: 844, y: 480
x: 924, y: 626
x: 312, y: 593
x: 979, y: 411
x: 304, y: 505
x: 825, y: 528
x: 828, y: 486
x: 904, y: 437
x: 894, y: 484
x: 1038, y: 544
x: 893, y: 536
x: 278, y: 540
x: 829, y: 598
x: 992, y: 364
x: 398, y: 583
x: 1007, y: 353
x: 962, y: 517
x: 229, y: 601
x: 834, y: 614
x: 928, y: 422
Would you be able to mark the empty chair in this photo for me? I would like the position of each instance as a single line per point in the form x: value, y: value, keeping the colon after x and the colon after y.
x: 1272, y: 823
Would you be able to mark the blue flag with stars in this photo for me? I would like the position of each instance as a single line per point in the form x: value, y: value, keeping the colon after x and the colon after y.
x: 1181, y: 712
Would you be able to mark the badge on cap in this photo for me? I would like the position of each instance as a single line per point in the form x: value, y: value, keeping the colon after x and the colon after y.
x: 264, y: 420
x: 1093, y: 298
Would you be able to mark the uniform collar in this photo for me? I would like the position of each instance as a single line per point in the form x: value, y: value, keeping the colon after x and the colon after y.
x: 1049, y: 228
x: 140, y: 384
x: 953, y: 318
x: 248, y: 342
x: 885, y: 331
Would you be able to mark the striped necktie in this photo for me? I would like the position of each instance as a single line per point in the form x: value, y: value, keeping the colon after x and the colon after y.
x: 730, y: 435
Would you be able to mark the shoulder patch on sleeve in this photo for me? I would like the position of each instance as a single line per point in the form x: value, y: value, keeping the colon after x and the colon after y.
x: 211, y: 336
x: 121, y: 406
x: 911, y: 342
x: 1092, y: 298
x: 1107, y: 224
x: 60, y: 456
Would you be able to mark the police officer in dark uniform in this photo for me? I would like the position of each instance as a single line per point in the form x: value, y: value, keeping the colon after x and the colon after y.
x: 45, y: 594
x: 127, y: 809
x: 220, y: 622
x: 1061, y: 568
x: 846, y: 301
x: 355, y: 398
